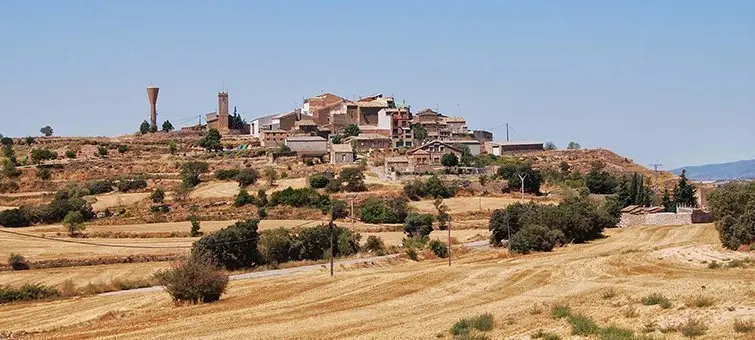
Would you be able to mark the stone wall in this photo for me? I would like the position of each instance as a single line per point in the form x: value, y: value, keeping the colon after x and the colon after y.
x: 659, y: 219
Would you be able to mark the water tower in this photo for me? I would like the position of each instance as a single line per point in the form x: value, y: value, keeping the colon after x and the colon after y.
x: 152, y: 94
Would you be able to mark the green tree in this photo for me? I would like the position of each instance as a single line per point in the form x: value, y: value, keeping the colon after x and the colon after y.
x: 573, y: 146
x: 235, y: 121
x: 41, y: 155
x: 211, y: 141
x: 668, y: 203
x: 195, y: 226
x: 157, y: 196
x: 353, y: 177
x: 684, y: 193
x: 6, y: 141
x: 418, y: 225
x: 443, y: 216
x: 351, y: 130
x: 29, y: 140
x: 74, y: 222
x: 733, y: 208
x: 449, y: 160
x: 233, y: 247
x: 511, y: 171
x: 144, y: 128
x: 190, y: 172
x: 336, y: 139
x: 271, y: 175
x: 47, y: 131
x: 599, y: 181
x: 167, y: 126
x: 261, y: 198
x: 419, y: 132
x: 247, y: 177
x: 9, y: 168
x: 153, y: 128
x: 243, y: 198
x: 122, y: 148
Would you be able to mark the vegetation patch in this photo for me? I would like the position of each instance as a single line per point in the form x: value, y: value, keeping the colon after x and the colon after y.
x: 744, y: 326
x: 542, y: 334
x: 560, y: 311
x: 482, y: 323
x: 657, y: 299
x: 582, y: 325
x: 192, y: 281
x: 27, y: 292
x: 700, y: 301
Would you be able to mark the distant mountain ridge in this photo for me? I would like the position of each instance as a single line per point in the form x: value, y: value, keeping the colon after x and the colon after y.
x: 744, y: 169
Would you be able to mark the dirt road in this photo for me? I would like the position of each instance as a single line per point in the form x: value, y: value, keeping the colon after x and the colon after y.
x: 421, y: 300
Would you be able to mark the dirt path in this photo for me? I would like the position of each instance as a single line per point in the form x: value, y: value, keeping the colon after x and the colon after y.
x: 421, y: 300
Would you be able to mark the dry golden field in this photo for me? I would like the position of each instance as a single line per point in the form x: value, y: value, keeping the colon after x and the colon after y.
x: 467, y: 204
x: 422, y: 300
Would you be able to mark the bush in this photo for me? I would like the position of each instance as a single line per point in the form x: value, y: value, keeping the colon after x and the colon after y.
x: 243, y: 198
x: 123, y: 148
x: 616, y: 333
x: 160, y: 208
x: 14, y: 218
x: 158, y: 195
x: 483, y: 323
x: 700, y: 301
x: 17, y: 262
x: 433, y: 188
x: 100, y: 187
x: 304, y: 197
x: 744, y: 326
x: 541, y: 334
x: 449, y: 159
x: 533, y: 238
x: 74, y: 222
x: 733, y: 207
x: 41, y: 155
x: 102, y: 151
x: 247, y: 177
x: 582, y: 325
x: 376, y: 210
x: 226, y: 174
x: 70, y: 154
x: 560, y: 311
x: 333, y: 186
x: 374, y: 244
x: 131, y: 184
x: 233, y: 247
x: 318, y: 181
x: 418, y: 225
x: 44, y: 174
x: 28, y: 291
x: 190, y: 172
x: 656, y: 299
x: 439, y: 248
x: 8, y: 186
x: 275, y: 245
x: 693, y: 328
x: 193, y: 281
x: 261, y: 198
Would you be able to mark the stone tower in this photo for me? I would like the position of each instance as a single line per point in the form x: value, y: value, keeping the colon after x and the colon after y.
x: 152, y: 95
x: 223, y: 112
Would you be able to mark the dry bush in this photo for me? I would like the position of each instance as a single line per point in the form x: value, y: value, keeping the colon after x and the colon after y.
x: 123, y: 234
x: 657, y: 299
x: 68, y: 288
x: 535, y: 309
x: 744, y: 326
x: 693, y: 327
x: 64, y: 262
x: 608, y: 293
x: 631, y: 312
x: 700, y: 301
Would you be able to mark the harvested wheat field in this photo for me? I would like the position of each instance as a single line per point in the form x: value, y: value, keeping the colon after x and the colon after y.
x: 113, y: 200
x: 422, y: 300
x: 467, y: 204
x: 83, y: 275
x: 228, y: 189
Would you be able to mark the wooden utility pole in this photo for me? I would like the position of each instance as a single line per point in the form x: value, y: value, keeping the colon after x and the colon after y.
x: 353, y: 219
x: 331, y: 225
x: 449, y: 240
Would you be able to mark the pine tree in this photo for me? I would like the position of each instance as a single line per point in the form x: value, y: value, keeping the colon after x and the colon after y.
x: 684, y: 193
x: 668, y: 204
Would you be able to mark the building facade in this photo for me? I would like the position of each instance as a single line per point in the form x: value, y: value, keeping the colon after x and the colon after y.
x: 508, y: 148
x: 341, y: 154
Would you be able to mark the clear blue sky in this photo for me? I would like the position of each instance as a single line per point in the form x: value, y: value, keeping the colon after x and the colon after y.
x: 672, y: 81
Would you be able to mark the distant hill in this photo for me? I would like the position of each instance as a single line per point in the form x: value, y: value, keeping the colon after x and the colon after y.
x: 720, y: 172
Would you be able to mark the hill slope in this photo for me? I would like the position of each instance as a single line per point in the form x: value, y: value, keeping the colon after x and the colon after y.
x: 719, y: 172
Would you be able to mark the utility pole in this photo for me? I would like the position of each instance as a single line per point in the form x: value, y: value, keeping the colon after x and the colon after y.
x: 449, y: 240
x: 508, y: 240
x: 353, y: 220
x: 522, y: 179
x: 507, y: 132
x: 656, y: 165
x: 331, y: 225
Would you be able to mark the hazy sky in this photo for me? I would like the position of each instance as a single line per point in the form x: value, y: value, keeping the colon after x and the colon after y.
x: 672, y: 81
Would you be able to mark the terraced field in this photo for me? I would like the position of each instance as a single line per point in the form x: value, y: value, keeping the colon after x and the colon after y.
x: 421, y: 300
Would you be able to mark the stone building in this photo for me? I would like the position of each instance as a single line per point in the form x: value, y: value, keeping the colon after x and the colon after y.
x: 341, y: 154
x: 369, y: 141
x: 272, y: 138
x: 434, y: 123
x: 399, y: 122
x: 509, y: 148
x: 427, y: 157
x: 473, y: 145
x: 308, y: 147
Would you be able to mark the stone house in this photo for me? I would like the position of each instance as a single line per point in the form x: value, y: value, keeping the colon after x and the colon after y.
x: 272, y: 138
x: 367, y: 141
x: 308, y: 147
x: 434, y: 123
x: 396, y: 164
x: 427, y: 157
x: 341, y: 154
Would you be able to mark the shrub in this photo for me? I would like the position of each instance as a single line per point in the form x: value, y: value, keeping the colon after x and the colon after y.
x: 195, y: 226
x: 193, y: 281
x: 243, y: 198
x: 131, y: 184
x: 744, y: 326
x: 160, y: 208
x: 333, y: 186
x: 190, y: 172
x: 439, y: 248
x: 318, y: 181
x: 70, y: 154
x: 17, y: 262
x: 102, y: 151
x: 226, y: 174
x: 433, y: 187
x: 9, y: 168
x: 608, y: 293
x: 271, y: 175
x: 100, y: 187
x: 483, y: 323
x: 348, y: 242
x: 247, y: 177
x: 418, y: 225
x: 560, y: 311
x: 582, y: 325
x: 733, y: 207
x: 44, y: 174
x: 534, y: 238
x: 14, y: 218
x: 28, y: 291
x: 376, y: 210
x: 123, y: 148
x: 233, y: 247
x: 41, y: 155
x: 261, y: 198
x: 714, y: 265
x: 158, y: 195
x: 374, y: 244
x: 541, y: 334
x: 616, y: 333
x: 8, y: 186
x: 304, y: 197
x: 275, y: 245
x: 74, y: 222
x: 693, y: 328
x: 656, y: 299
x: 449, y: 159
x: 411, y: 253
x: 700, y: 301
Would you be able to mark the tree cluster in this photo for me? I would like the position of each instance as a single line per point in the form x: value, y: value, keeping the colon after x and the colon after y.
x: 512, y: 169
x: 211, y: 141
x: 376, y: 210
x: 733, y: 208
x: 630, y: 190
x: 53, y: 212
x: 282, y: 245
x: 535, y: 227
x: 432, y: 187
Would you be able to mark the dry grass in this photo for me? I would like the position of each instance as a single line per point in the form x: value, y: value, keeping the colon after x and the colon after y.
x: 744, y: 325
x: 700, y: 301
